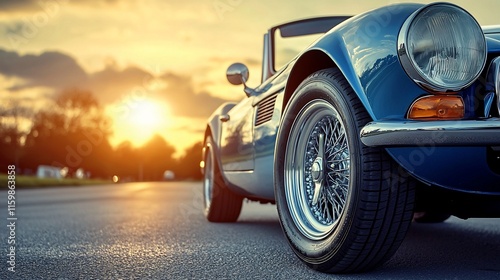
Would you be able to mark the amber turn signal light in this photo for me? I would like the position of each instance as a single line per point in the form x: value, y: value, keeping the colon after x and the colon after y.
x: 437, y: 107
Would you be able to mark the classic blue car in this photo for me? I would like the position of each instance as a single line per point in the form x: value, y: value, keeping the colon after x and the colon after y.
x: 388, y: 117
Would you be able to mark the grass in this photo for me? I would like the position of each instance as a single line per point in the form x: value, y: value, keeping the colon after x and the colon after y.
x: 22, y: 182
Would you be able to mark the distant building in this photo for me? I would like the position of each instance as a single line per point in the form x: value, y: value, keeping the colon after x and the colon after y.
x: 46, y: 171
x: 168, y: 175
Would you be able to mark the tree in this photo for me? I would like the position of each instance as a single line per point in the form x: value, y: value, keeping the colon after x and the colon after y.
x: 188, y: 166
x: 155, y: 157
x: 126, y: 162
x: 72, y: 133
x: 14, y: 127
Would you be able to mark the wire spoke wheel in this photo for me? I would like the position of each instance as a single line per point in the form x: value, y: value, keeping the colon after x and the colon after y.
x: 343, y: 206
x: 318, y: 169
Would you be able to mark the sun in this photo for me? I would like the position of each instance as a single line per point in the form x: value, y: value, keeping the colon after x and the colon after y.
x: 145, y: 113
x: 137, y: 120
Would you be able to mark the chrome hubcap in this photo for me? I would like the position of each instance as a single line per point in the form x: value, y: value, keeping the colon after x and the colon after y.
x: 317, y: 169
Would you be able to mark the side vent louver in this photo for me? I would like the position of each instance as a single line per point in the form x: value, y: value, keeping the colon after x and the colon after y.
x: 265, y: 110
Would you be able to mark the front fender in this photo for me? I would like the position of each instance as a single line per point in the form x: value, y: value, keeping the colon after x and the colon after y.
x: 214, y: 123
x: 364, y: 48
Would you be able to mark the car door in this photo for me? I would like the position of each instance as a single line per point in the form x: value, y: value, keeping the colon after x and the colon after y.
x: 237, y: 149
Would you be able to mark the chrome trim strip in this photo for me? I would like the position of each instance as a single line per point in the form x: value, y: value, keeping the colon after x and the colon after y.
x: 496, y: 79
x: 491, y: 29
x: 267, y: 59
x: 401, y: 133
x: 488, y: 102
x: 493, y: 80
x: 497, y: 87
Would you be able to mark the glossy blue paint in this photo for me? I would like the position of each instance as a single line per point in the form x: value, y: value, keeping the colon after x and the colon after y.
x: 246, y: 153
x: 256, y: 182
x: 458, y: 168
x: 364, y: 48
x: 493, y: 43
x: 214, y: 124
x: 236, y: 142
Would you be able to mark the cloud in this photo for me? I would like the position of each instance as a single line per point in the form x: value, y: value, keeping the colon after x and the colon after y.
x: 49, y: 69
x: 18, y: 5
x: 111, y: 84
x: 185, y: 101
x: 23, y: 6
x: 176, y: 90
x: 58, y: 71
x: 193, y: 129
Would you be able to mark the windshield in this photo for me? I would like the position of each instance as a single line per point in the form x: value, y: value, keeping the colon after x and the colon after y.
x: 286, y: 48
x: 291, y: 38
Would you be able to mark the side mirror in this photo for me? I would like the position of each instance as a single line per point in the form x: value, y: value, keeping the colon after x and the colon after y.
x: 238, y: 74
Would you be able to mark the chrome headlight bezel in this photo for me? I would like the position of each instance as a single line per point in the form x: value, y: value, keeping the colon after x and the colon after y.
x: 419, y: 75
x: 493, y: 78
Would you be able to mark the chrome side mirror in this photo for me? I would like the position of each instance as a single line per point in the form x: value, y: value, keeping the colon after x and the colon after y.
x: 238, y: 74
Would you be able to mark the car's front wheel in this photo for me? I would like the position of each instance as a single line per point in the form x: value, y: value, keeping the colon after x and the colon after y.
x: 343, y: 207
x: 220, y: 203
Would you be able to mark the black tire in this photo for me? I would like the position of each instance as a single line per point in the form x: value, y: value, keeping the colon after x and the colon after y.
x: 358, y: 217
x: 221, y: 205
x: 430, y: 217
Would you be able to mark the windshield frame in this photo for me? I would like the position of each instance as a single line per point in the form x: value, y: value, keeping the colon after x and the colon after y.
x: 319, y: 25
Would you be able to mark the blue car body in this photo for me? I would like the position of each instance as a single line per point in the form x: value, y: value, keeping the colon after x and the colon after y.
x: 365, y: 49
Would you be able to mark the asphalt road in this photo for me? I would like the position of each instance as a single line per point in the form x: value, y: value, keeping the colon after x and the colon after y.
x: 157, y: 231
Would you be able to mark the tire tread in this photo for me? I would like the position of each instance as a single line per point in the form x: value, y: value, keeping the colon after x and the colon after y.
x: 226, y: 205
x: 387, y: 193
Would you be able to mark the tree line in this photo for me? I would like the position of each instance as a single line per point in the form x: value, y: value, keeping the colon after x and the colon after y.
x: 73, y: 132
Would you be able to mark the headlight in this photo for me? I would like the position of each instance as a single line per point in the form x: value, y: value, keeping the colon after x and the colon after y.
x: 442, y: 48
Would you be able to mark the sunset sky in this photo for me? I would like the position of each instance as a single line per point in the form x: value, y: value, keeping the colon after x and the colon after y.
x: 157, y: 66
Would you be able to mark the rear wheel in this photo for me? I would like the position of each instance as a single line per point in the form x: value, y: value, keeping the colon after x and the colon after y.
x: 221, y: 204
x: 343, y: 207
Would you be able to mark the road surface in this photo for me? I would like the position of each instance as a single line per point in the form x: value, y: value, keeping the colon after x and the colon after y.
x: 157, y: 231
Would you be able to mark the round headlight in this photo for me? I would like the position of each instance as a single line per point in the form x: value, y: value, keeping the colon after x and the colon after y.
x: 442, y: 48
